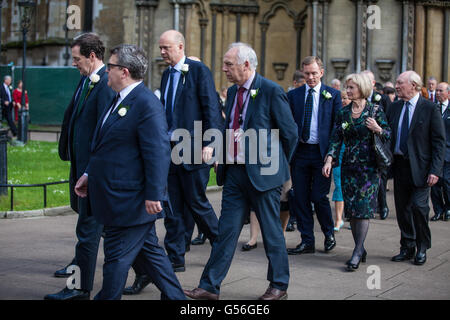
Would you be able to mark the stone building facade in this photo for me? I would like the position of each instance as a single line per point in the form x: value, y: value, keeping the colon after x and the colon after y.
x: 386, y: 36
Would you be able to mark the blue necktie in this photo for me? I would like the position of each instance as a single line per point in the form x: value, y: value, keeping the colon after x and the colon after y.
x: 404, y: 133
x: 169, y: 103
x: 308, y: 114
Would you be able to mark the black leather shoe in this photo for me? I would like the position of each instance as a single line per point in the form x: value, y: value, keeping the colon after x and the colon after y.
x: 405, y: 254
x: 201, y: 238
x: 248, y: 247
x: 437, y: 217
x: 140, y: 283
x: 69, y: 294
x: 301, y: 248
x: 187, y: 248
x: 178, y: 267
x: 290, y: 227
x: 420, y: 258
x: 447, y: 215
x: 384, y: 213
x: 63, y: 273
x: 329, y: 243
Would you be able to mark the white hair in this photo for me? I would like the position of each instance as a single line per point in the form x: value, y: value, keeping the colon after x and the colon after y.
x: 245, y: 53
x: 413, y: 77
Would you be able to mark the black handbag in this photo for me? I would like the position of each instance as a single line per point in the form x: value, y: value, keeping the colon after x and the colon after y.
x: 382, y: 148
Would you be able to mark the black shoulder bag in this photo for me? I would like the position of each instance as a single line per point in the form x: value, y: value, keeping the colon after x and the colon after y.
x: 382, y: 148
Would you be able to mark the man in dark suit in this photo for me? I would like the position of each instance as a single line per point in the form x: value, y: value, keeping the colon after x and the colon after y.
x: 418, y: 144
x: 431, y: 89
x: 89, y: 101
x: 254, y: 104
x: 7, y: 105
x: 440, y: 192
x: 384, y: 102
x: 126, y: 178
x: 188, y: 95
x: 314, y: 107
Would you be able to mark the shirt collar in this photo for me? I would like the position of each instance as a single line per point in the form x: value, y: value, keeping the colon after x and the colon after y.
x: 316, y: 88
x: 249, y: 81
x: 414, y: 100
x: 125, y: 91
x: 179, y: 64
x: 96, y: 71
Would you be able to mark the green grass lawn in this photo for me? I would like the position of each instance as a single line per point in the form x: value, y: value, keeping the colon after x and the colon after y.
x: 38, y: 162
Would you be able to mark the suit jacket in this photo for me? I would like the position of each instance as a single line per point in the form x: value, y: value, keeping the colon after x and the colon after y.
x: 328, y: 109
x: 446, y: 119
x: 129, y: 162
x: 4, y: 95
x: 268, y: 110
x: 195, y: 100
x: 426, y: 139
x: 78, y: 129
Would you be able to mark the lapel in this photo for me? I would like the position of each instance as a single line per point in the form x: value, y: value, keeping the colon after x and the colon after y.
x: 299, y: 108
x: 180, y: 87
x: 101, y: 131
x: 321, y: 106
x: 101, y: 72
x: 416, y: 114
x: 229, y: 104
x: 256, y: 84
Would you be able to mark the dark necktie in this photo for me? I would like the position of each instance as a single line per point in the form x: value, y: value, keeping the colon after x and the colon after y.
x: 308, y: 114
x: 111, y: 107
x: 237, y: 120
x: 82, y: 94
x: 169, y: 100
x: 404, y: 133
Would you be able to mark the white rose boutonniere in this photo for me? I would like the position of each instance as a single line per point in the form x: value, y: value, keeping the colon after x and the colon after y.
x: 184, y: 71
x: 345, y: 125
x: 94, y: 78
x: 122, y: 112
x: 254, y: 93
x: 11, y: 88
x: 326, y: 94
x: 377, y: 97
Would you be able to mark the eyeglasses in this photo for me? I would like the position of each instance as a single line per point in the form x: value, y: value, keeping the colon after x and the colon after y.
x: 112, y: 65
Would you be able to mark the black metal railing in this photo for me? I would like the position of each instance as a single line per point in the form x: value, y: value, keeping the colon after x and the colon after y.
x: 43, y: 185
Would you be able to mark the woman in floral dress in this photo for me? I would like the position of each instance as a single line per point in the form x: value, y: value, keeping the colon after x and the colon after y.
x: 355, y: 127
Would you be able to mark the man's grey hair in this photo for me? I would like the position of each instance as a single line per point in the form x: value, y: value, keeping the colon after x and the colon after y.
x: 335, y: 81
x: 413, y: 77
x: 432, y: 78
x: 7, y: 77
x: 245, y: 53
x: 133, y: 58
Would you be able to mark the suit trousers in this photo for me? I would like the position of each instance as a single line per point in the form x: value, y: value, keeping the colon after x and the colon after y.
x: 122, y: 246
x: 411, y: 206
x: 238, y: 197
x: 88, y: 233
x: 440, y: 192
x: 187, y: 193
x: 9, y: 117
x: 311, y: 186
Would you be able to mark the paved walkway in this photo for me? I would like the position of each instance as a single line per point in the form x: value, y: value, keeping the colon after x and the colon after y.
x: 32, y: 249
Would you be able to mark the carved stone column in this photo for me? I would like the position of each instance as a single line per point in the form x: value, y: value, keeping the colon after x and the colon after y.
x: 145, y: 31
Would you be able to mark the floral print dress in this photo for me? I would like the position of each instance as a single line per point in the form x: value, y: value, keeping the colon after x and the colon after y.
x: 359, y: 172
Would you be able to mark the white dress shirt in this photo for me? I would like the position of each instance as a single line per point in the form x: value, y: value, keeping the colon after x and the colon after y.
x: 314, y: 129
x: 122, y: 95
x: 412, y: 108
